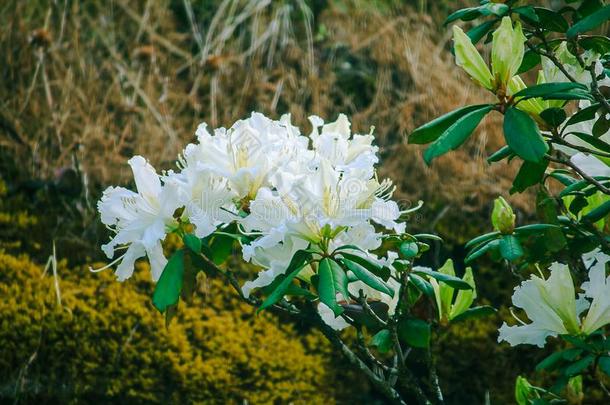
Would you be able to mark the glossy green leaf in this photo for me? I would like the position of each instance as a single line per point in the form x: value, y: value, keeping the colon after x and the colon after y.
x: 374, y: 268
x: 593, y: 141
x: 169, y: 286
x: 586, y: 114
x: 500, y: 154
x: 330, y: 283
x: 422, y: 285
x: 414, y: 332
x: 551, y: 20
x: 604, y: 364
x: 435, y: 128
x: 475, y: 312
x: 451, y: 281
x: 456, y: 134
x: 523, y: 136
x: 590, y: 22
x: 597, y: 213
x: 192, y: 242
x: 476, y: 33
x: 534, y: 229
x: 510, y: 248
x: 579, y: 366
x: 482, y: 239
x: 382, y: 340
x: 300, y: 259
x: 553, y: 116
x: 530, y: 60
x: 368, y: 278
x: 481, y: 250
x: 529, y: 174
x: 465, y: 14
x: 548, y: 89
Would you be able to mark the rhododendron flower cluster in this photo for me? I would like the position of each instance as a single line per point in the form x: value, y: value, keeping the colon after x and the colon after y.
x: 284, y: 191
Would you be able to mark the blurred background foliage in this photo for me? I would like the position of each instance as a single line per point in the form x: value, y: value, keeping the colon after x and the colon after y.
x: 85, y: 85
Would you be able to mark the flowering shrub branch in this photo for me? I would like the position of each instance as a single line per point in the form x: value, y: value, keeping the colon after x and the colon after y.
x: 331, y: 246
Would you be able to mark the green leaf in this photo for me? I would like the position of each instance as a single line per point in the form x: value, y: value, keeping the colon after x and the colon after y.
x: 451, y: 281
x: 435, y: 128
x: 368, y: 278
x: 500, y: 154
x: 528, y: 12
x: 590, y: 22
x: 579, y: 366
x: 551, y: 20
x: 601, y: 126
x: 428, y: 236
x: 553, y: 116
x: 510, y: 248
x: 523, y: 136
x: 548, y: 89
x: 586, y: 114
x: 167, y: 290
x: 581, y: 184
x: 465, y: 14
x: 482, y: 239
x: 457, y: 133
x: 597, y: 213
x: 534, y: 229
x: 383, y: 341
x: 221, y: 247
x: 481, y: 250
x: 563, y: 178
x: 476, y: 312
x: 530, y: 60
x: 300, y: 259
x: 189, y: 280
x: 550, y: 361
x: 414, y: 332
x: 529, y: 175
x: 422, y: 285
x: 596, y: 43
x: 593, y: 141
x: 408, y: 250
x: 497, y: 9
x: 604, y: 364
x: 475, y: 34
x: 331, y: 282
x: 192, y: 242
x: 374, y: 268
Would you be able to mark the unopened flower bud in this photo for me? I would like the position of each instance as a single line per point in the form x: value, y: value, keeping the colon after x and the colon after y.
x: 507, y: 51
x: 468, y: 58
x: 502, y: 217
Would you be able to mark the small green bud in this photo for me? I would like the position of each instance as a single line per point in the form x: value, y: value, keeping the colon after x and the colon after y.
x: 525, y: 392
x: 502, y: 217
x: 507, y: 51
x: 468, y: 58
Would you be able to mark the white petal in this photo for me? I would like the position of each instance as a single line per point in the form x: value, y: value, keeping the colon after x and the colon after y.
x: 327, y: 315
x: 157, y: 261
x: 526, y: 334
x: 590, y: 164
x: 125, y: 269
x: 145, y: 176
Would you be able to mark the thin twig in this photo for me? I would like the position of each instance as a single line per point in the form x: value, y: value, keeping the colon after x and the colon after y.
x: 584, y: 175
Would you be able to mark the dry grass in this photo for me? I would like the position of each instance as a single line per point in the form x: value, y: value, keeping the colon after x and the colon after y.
x: 91, y: 84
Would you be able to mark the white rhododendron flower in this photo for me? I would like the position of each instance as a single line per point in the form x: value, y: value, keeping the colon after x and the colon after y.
x: 139, y: 219
x: 552, y: 306
x: 332, y: 194
x: 285, y: 192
